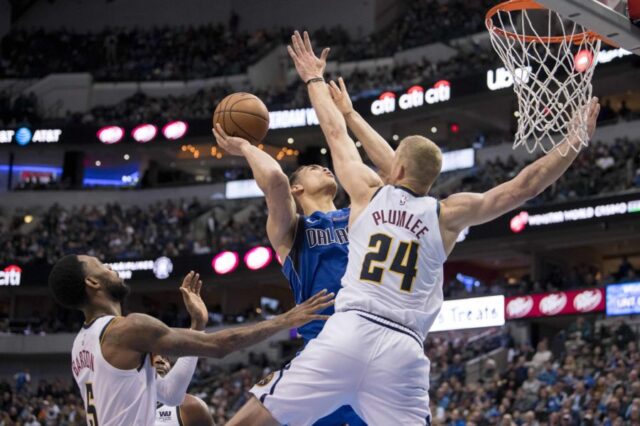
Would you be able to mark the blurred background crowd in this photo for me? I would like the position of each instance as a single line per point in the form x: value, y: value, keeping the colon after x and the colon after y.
x: 586, y: 374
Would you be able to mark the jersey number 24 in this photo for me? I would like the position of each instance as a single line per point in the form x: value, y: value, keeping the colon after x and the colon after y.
x: 404, y: 260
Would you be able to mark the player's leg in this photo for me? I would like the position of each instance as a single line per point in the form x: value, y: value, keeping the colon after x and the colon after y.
x: 194, y: 412
x: 344, y: 415
x: 317, y: 382
x: 395, y: 389
x: 253, y: 413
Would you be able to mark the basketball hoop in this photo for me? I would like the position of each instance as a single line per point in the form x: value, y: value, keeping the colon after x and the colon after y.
x: 552, y: 61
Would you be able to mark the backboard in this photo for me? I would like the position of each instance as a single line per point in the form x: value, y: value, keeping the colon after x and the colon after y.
x: 608, y: 18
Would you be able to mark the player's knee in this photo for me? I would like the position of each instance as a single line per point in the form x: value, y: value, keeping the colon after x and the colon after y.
x: 194, y: 412
x: 253, y: 413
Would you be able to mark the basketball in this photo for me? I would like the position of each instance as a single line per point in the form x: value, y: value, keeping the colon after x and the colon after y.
x: 243, y: 115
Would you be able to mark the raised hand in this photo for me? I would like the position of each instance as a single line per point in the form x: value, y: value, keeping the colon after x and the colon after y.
x: 307, y: 311
x: 583, y: 120
x: 592, y: 117
x: 307, y: 63
x: 196, y: 307
x: 340, y: 96
x: 231, y: 144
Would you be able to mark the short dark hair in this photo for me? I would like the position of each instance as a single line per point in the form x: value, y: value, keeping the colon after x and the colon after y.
x: 66, y: 282
x: 293, y: 179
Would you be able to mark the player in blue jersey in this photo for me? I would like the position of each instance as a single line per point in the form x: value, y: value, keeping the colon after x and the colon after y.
x: 314, y: 244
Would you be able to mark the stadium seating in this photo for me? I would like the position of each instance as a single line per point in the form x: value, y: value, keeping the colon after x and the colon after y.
x: 584, y: 375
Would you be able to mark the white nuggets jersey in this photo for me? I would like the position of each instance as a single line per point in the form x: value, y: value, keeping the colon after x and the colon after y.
x: 395, y: 260
x: 112, y: 397
x: 168, y: 416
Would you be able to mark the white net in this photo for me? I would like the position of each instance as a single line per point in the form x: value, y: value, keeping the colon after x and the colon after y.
x: 552, y: 63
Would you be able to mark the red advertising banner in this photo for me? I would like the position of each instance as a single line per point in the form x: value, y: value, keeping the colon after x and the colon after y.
x: 569, y: 302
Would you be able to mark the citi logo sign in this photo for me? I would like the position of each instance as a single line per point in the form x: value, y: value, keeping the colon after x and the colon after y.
x: 10, y: 276
x: 415, y: 96
x: 519, y: 222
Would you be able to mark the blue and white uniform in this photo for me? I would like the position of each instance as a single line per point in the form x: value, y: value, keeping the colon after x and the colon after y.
x: 317, y: 261
x: 370, y: 353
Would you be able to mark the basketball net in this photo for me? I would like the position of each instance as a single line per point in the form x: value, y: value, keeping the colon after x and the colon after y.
x: 551, y: 61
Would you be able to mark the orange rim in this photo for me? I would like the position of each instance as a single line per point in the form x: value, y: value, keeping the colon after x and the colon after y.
x: 515, y: 5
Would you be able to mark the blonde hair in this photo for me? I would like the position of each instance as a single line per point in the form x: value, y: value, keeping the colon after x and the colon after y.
x: 422, y: 160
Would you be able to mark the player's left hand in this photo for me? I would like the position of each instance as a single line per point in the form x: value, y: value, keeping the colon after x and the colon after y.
x: 190, y: 290
x: 583, y: 119
x: 232, y: 144
x: 593, y: 110
x: 307, y: 63
x: 341, y: 97
x: 308, y: 310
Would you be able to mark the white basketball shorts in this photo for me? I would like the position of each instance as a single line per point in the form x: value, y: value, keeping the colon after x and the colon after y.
x: 373, y: 364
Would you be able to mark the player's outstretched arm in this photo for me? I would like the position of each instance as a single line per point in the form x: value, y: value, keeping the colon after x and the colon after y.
x: 140, y: 333
x: 376, y: 147
x: 467, y: 209
x: 173, y: 387
x: 357, y: 179
x: 275, y: 185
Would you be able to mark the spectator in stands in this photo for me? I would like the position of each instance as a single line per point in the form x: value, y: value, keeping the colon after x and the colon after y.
x: 581, y: 329
x: 542, y: 355
x: 624, y: 269
x: 624, y: 335
x: 136, y: 54
x: 23, y: 379
x: 532, y: 385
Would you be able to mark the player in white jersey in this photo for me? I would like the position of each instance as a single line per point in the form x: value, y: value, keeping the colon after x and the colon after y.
x: 189, y: 411
x: 370, y: 353
x: 110, y: 356
x: 87, y: 363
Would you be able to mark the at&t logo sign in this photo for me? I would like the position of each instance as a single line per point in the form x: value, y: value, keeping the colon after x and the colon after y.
x: 162, y: 267
x: 23, y: 136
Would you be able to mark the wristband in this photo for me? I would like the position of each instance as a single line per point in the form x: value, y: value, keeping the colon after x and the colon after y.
x: 313, y: 80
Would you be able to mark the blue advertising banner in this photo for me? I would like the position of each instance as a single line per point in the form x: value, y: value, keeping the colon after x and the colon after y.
x: 623, y: 299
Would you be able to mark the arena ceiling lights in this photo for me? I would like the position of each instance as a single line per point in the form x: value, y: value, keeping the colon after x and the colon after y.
x: 110, y: 134
x: 143, y: 133
x: 255, y: 259
x: 258, y: 258
x: 175, y: 130
x: 225, y: 262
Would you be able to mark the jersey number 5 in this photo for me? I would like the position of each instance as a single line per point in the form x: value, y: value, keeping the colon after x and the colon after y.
x: 404, y: 261
x: 92, y: 414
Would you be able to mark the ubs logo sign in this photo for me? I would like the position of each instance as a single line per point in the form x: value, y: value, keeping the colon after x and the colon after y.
x: 502, y: 78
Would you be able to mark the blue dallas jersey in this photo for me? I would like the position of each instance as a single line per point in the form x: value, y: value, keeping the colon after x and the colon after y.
x: 317, y: 260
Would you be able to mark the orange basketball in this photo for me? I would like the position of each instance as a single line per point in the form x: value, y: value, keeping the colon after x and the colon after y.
x: 244, y: 115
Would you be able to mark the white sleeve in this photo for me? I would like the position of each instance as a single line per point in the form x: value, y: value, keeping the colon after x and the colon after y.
x: 173, y: 387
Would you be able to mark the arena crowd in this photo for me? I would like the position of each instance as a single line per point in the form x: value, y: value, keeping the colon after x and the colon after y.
x: 586, y: 374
